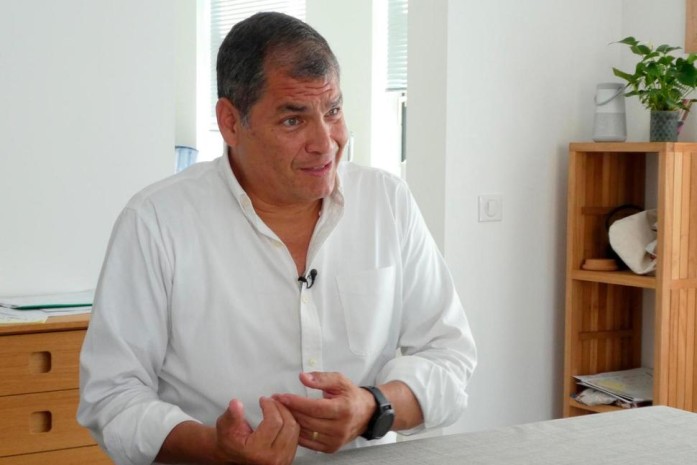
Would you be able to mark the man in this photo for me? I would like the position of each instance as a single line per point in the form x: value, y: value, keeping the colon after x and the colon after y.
x: 255, y: 304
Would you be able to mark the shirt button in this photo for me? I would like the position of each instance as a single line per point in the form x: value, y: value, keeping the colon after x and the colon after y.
x: 305, y: 298
x: 312, y: 362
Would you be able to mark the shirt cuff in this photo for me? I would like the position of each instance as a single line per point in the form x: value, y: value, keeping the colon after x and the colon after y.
x: 441, y: 396
x: 140, y: 445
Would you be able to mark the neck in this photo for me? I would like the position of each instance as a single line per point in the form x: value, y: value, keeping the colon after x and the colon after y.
x: 289, y: 213
x: 294, y: 225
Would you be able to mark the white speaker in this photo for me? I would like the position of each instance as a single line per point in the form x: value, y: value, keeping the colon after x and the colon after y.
x: 610, y: 123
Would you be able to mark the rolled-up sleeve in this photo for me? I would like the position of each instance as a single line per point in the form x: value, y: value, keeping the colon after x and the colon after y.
x: 436, y: 343
x: 125, y: 347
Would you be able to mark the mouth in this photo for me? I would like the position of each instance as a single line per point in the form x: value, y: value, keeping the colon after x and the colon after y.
x: 319, y: 170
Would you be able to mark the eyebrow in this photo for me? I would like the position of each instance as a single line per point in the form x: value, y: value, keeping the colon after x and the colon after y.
x: 296, y: 108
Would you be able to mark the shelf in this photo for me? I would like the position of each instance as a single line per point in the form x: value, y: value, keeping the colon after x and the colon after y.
x: 604, y: 310
x: 594, y: 408
x: 622, y: 278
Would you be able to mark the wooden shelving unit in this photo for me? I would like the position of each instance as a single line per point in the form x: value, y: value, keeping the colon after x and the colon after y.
x: 604, y: 309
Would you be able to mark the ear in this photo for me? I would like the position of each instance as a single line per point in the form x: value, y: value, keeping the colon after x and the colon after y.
x: 229, y: 121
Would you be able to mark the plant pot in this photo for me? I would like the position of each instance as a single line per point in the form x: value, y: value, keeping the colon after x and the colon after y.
x: 664, y: 126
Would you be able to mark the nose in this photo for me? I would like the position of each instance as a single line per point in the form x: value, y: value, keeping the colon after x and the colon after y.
x: 319, y: 139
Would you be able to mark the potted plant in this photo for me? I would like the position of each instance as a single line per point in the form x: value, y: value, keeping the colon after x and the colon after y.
x: 662, y: 82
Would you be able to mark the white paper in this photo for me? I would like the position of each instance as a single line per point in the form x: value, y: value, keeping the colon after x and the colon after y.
x: 49, y: 300
x: 63, y: 311
x: 635, y: 385
x: 10, y: 317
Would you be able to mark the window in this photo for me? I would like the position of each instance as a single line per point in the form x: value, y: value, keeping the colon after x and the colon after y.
x: 397, y: 45
x: 217, y: 17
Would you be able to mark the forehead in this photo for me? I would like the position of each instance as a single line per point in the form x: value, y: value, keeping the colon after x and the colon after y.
x: 281, y: 87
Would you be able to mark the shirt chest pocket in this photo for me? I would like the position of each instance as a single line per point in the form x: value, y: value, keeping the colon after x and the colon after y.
x: 367, y: 299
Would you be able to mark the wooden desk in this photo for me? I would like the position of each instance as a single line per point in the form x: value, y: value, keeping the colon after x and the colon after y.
x: 39, y: 394
x: 644, y: 436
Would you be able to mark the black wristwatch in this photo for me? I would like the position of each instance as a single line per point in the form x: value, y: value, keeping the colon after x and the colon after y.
x: 382, y: 419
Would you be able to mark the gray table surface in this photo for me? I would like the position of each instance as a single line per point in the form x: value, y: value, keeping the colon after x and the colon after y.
x: 643, y: 436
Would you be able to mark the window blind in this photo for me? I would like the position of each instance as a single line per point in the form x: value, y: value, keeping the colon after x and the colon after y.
x: 397, y: 44
x: 224, y: 14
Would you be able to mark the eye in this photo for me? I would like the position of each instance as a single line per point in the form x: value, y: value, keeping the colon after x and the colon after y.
x: 334, y: 111
x: 290, y: 122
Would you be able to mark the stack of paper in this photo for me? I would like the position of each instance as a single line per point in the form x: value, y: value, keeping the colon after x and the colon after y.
x: 37, y: 308
x: 632, y: 387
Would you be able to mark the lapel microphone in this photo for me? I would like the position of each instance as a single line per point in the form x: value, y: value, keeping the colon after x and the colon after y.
x: 309, y: 280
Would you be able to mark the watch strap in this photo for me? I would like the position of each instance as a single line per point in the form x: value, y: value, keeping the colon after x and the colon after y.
x: 383, y: 409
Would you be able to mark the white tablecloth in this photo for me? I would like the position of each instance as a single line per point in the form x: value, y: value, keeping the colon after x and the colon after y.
x: 643, y: 436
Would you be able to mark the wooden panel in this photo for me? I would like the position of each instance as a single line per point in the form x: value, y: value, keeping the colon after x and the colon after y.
x: 609, y: 180
x: 609, y: 332
x: 39, y: 362
x: 676, y: 345
x: 40, y: 422
x: 91, y: 455
x: 624, y: 278
x: 691, y: 26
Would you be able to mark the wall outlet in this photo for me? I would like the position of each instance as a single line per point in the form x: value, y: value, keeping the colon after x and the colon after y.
x: 490, y: 207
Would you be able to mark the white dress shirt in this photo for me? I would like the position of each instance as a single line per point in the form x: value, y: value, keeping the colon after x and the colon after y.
x: 199, y: 303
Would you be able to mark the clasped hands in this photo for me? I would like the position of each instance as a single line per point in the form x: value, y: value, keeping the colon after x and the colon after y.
x: 290, y: 420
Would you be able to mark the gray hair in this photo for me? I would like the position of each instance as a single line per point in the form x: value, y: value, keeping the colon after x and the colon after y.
x: 269, y: 38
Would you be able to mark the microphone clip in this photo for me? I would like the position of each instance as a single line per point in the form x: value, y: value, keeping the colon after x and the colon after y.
x: 309, y: 280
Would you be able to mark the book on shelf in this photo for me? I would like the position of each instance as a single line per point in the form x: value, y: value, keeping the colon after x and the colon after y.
x: 626, y: 388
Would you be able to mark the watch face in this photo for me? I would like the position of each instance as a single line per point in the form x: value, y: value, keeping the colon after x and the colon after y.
x: 383, y: 423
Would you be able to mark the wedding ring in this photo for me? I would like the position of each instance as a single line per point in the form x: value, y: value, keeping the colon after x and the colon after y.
x: 315, y: 434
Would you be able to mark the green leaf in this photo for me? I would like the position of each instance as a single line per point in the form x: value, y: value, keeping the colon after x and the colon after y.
x: 645, y: 50
x: 666, y: 48
x: 621, y: 74
x: 687, y: 74
x: 666, y: 60
x: 628, y: 41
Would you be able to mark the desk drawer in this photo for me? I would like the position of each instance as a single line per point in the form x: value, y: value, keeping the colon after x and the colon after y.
x: 91, y: 455
x: 39, y: 362
x: 40, y: 422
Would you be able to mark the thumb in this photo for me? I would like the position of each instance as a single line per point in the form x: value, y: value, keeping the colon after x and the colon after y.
x: 330, y: 383
x: 233, y: 418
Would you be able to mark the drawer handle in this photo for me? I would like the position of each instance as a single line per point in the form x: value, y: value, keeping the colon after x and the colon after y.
x: 40, y: 362
x: 40, y: 422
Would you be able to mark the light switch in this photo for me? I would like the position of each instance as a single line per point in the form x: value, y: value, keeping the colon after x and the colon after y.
x: 490, y: 207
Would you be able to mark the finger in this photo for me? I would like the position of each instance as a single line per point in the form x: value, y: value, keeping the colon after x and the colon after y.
x: 331, y: 383
x: 290, y: 432
x: 271, y: 423
x: 318, y: 442
x: 311, y: 440
x: 305, y: 407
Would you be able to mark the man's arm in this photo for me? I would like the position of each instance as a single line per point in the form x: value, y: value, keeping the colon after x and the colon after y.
x: 343, y: 414
x: 233, y: 440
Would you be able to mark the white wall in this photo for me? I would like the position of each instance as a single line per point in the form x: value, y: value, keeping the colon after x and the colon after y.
x: 427, y: 113
x: 87, y: 99
x: 520, y: 82
x: 185, y: 48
